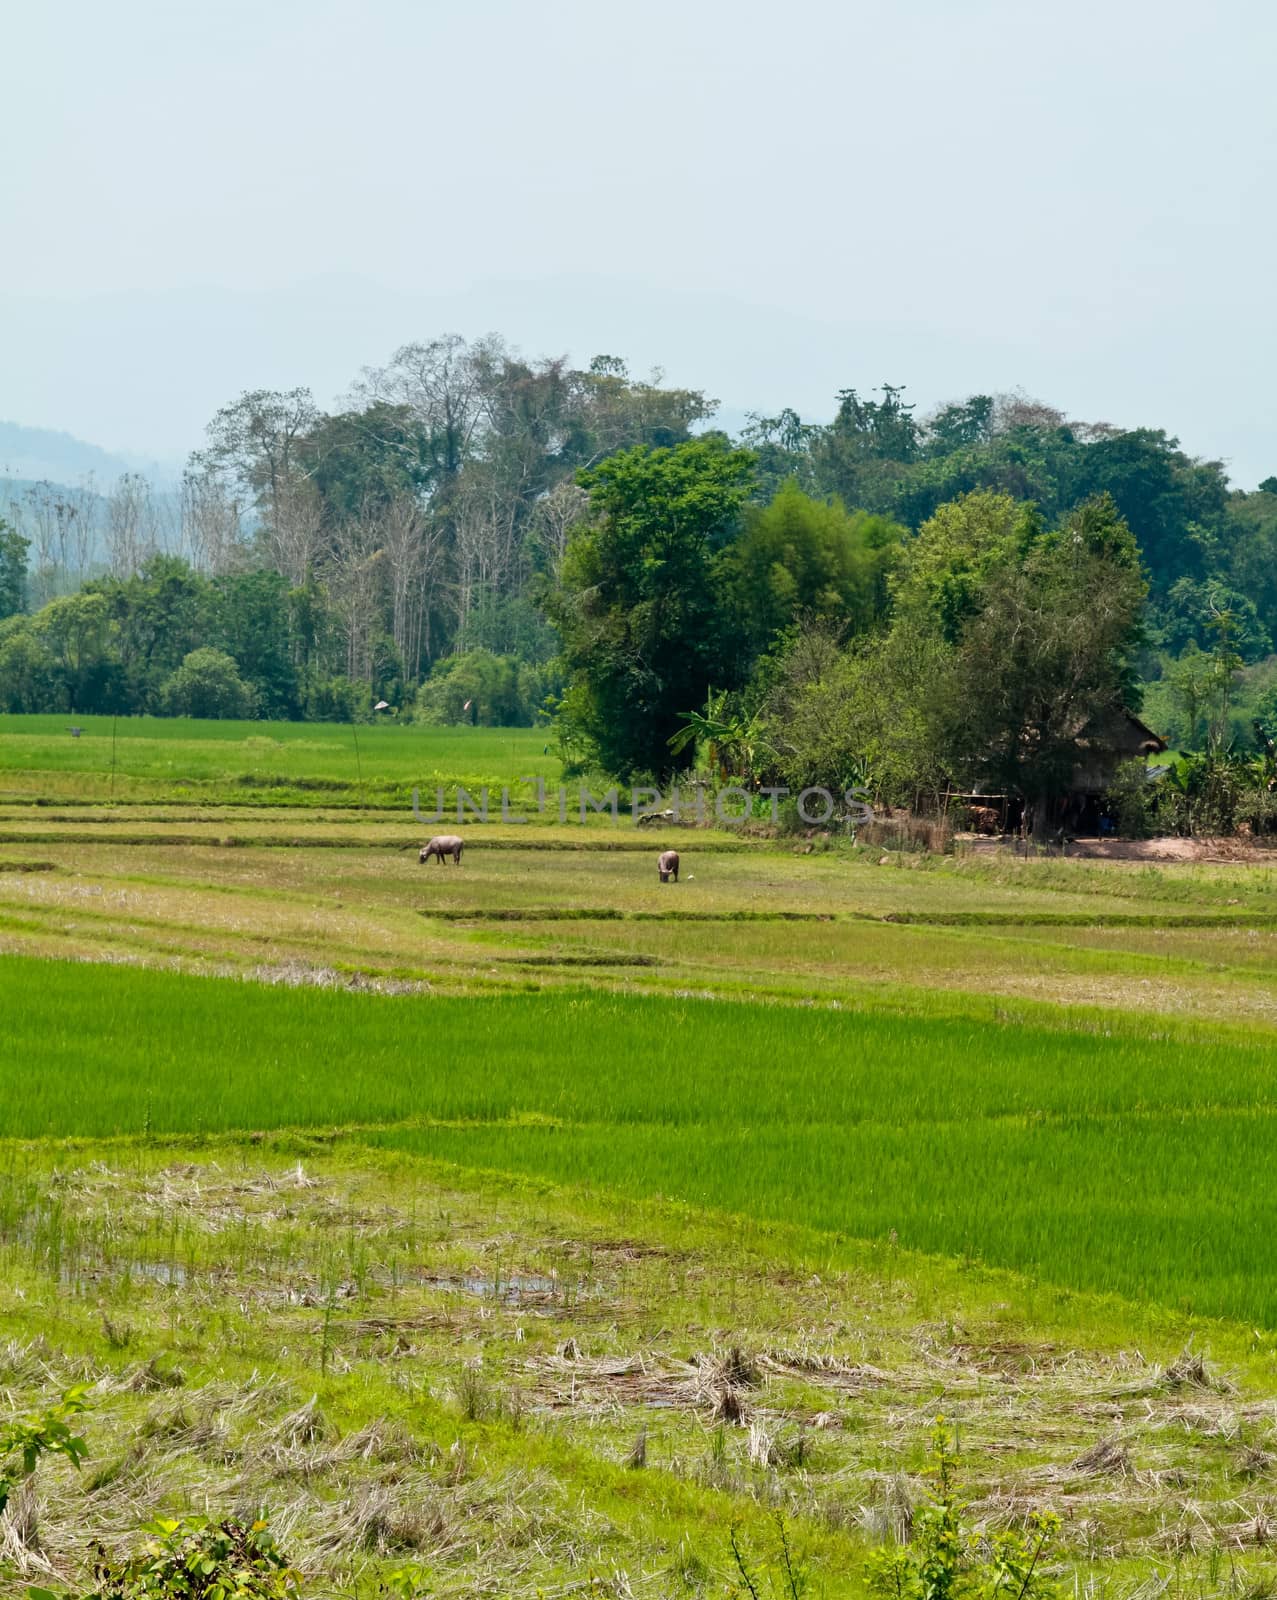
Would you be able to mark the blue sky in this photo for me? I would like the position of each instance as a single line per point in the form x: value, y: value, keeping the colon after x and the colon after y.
x: 771, y: 202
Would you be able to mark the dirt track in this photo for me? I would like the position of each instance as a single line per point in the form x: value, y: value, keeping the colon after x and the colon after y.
x: 1228, y: 851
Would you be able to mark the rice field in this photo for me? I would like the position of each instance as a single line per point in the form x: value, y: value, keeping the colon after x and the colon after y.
x: 1084, y: 1159
x: 184, y: 761
x: 533, y: 1222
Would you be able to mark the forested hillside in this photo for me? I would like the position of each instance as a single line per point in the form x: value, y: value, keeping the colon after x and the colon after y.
x: 475, y: 536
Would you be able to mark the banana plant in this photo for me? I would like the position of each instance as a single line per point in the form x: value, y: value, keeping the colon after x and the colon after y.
x: 729, y: 738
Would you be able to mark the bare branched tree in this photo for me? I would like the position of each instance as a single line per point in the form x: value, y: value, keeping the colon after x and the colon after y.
x: 211, y: 534
x: 414, y: 545
x: 257, y: 440
x: 553, y: 518
x: 293, y: 532
x: 131, y: 525
x: 439, y: 384
x: 487, y: 537
x: 40, y: 520
x: 80, y: 518
x: 355, y: 576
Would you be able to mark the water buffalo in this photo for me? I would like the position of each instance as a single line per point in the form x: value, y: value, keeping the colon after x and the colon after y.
x: 667, y: 865
x: 443, y: 844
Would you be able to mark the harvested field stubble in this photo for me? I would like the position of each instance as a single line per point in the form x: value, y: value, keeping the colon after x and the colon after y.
x: 373, y: 1384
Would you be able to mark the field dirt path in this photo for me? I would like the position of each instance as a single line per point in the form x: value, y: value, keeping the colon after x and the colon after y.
x: 1208, y: 850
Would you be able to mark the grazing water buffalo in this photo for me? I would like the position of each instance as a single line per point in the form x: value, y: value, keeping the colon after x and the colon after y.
x: 443, y: 844
x: 667, y: 865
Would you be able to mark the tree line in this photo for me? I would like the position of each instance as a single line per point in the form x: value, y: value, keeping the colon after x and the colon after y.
x: 472, y: 535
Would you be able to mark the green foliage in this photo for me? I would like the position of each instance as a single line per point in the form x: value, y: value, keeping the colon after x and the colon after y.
x: 76, y: 631
x: 362, y: 460
x: 439, y: 516
x: 1133, y: 800
x: 946, y: 1560
x: 862, y: 716
x: 862, y: 450
x: 28, y: 681
x: 256, y: 625
x: 207, y: 684
x: 876, y: 456
x: 1046, y: 657
x: 157, y: 617
x: 486, y: 690
x: 957, y: 550
x: 335, y: 699
x: 803, y: 557
x: 1187, y: 617
x: 1007, y: 642
x: 962, y: 425
x: 194, y: 1558
x: 13, y: 570
x: 24, y: 1440
x: 638, y: 604
x: 731, y: 742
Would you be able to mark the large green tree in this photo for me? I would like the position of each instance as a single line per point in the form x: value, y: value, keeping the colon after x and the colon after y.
x: 257, y: 624
x: 159, y: 615
x: 1047, y: 655
x: 28, y: 681
x: 638, y: 606
x: 13, y: 570
x: 944, y: 579
x: 803, y: 557
x: 75, y: 630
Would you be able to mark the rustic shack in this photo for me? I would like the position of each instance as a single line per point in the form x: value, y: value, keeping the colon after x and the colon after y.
x: 1103, y: 744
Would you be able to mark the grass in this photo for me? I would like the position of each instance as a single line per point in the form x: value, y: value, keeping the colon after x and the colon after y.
x: 178, y: 759
x: 1080, y: 1157
x: 295, y: 898
x: 517, y: 1389
x: 439, y: 1234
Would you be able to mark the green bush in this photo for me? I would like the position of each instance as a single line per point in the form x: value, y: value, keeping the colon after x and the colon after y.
x: 487, y: 690
x: 193, y: 1558
x: 28, y: 674
x: 336, y: 700
x: 23, y: 1440
x: 945, y: 1559
x: 1133, y: 801
x: 208, y: 684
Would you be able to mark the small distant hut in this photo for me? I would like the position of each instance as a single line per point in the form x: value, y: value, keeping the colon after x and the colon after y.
x: 1103, y: 743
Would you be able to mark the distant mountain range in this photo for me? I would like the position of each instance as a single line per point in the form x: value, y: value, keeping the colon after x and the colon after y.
x: 29, y: 455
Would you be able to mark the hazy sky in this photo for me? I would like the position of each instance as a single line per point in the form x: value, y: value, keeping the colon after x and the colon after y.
x: 770, y: 201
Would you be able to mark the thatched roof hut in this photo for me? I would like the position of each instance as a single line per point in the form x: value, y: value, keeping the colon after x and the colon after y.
x: 1104, y: 742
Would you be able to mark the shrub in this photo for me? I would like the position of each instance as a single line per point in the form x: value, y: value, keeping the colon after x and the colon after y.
x: 336, y: 700
x: 23, y: 1440
x: 192, y: 1558
x: 488, y: 690
x: 208, y: 684
x: 28, y: 674
x: 945, y: 1559
x: 1133, y: 801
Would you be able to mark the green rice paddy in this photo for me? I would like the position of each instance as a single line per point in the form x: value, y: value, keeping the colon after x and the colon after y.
x: 499, y: 1165
x: 1093, y: 1161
